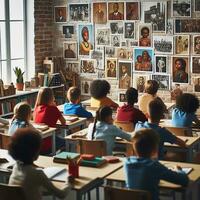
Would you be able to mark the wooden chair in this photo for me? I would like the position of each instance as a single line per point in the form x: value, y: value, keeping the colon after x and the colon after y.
x: 114, y: 193
x: 125, y: 126
x: 4, y: 140
x: 9, y: 192
x: 180, y: 131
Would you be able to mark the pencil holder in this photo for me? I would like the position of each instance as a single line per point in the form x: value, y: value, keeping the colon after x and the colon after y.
x: 73, y: 169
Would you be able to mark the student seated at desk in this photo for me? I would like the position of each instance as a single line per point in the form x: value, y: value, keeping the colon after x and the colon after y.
x: 24, y: 148
x: 128, y: 112
x: 183, y: 115
x: 156, y: 111
x: 74, y: 107
x: 99, y: 90
x: 143, y: 171
x: 104, y: 129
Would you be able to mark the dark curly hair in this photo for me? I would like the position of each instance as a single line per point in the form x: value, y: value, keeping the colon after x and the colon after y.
x: 25, y: 145
x: 183, y: 63
x: 151, y: 87
x: 99, y: 88
x: 188, y: 103
x: 132, y: 96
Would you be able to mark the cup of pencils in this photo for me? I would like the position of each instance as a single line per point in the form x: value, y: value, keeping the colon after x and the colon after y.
x: 73, y: 167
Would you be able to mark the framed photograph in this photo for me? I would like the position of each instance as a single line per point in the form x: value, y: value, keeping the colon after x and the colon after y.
x: 110, y: 52
x: 181, y: 8
x: 124, y: 43
x: 156, y: 14
x: 125, y: 74
x: 129, y: 30
x: 196, y: 6
x: 69, y: 31
x: 133, y: 43
x: 163, y: 44
x: 99, y: 12
x: 180, y: 69
x: 86, y: 38
x: 70, y: 50
x: 60, y: 14
x: 182, y: 44
x: 101, y: 73
x: 102, y: 37
x: 79, y: 12
x: 196, y: 44
x: 124, y: 54
x: 88, y: 66
x: 115, y: 40
x: 98, y: 55
x: 161, y: 63
x: 132, y: 10
x: 85, y: 87
x: 139, y: 81
x: 170, y: 27
x: 145, y: 35
x: 143, y: 58
x: 196, y: 83
x: 195, y: 63
x: 122, y: 97
x: 163, y: 81
x: 116, y: 27
x: 73, y: 66
x: 111, y: 68
x: 115, y: 10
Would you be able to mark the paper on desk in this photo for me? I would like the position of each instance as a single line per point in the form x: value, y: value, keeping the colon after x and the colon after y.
x: 187, y: 170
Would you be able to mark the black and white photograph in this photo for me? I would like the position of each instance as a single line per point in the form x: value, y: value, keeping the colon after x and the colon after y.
x: 73, y: 66
x: 196, y: 5
x: 85, y: 87
x: 129, y: 30
x: 139, y: 81
x: 60, y: 14
x: 163, y: 81
x: 196, y: 83
x: 69, y: 31
x: 125, y: 53
x: 98, y: 55
x: 122, y: 97
x: 102, y: 37
x: 196, y: 44
x: 187, y: 26
x: 115, y: 40
x: 110, y: 52
x: 170, y: 27
x: 182, y: 44
x: 133, y: 43
x: 161, y: 63
x: 87, y: 66
x: 70, y: 50
x: 195, y: 63
x: 181, y: 8
x: 116, y: 27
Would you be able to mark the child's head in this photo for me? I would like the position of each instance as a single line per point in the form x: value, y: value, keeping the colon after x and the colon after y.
x: 22, y: 111
x: 132, y: 96
x: 139, y: 59
x: 145, y: 143
x: 104, y: 114
x: 188, y: 103
x: 25, y: 145
x: 151, y: 87
x: 99, y: 88
x: 73, y: 95
x: 145, y: 32
x: 45, y: 96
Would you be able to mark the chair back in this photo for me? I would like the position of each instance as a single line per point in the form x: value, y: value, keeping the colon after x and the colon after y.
x: 11, y: 192
x: 180, y: 131
x: 114, y: 193
x: 125, y: 126
x: 4, y: 140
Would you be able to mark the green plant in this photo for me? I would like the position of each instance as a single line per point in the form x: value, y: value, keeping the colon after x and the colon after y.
x: 19, y: 75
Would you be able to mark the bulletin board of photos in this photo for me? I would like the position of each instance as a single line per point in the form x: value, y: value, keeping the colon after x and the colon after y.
x: 133, y: 41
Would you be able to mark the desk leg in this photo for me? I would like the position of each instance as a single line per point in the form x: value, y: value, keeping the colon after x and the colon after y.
x: 78, y: 195
x: 97, y: 193
x: 54, y: 143
x: 190, y: 154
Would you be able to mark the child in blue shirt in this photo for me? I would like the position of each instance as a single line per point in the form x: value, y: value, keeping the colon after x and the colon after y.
x: 183, y: 114
x: 143, y: 171
x: 156, y: 111
x: 74, y: 107
x: 104, y: 129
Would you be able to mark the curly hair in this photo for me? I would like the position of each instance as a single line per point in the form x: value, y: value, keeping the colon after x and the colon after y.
x: 132, y: 96
x: 188, y: 103
x: 99, y: 88
x: 151, y: 87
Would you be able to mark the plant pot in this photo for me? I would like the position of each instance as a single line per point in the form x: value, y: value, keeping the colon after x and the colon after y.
x: 19, y: 86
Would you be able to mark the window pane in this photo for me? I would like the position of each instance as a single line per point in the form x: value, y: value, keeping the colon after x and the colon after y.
x: 16, y: 9
x: 16, y: 63
x: 2, y: 41
x: 3, y: 71
x: 17, y: 39
x: 2, y: 12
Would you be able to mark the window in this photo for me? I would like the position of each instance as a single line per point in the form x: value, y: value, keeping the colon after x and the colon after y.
x: 12, y: 38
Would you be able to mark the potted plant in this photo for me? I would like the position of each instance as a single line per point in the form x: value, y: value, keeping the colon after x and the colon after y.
x: 19, y: 78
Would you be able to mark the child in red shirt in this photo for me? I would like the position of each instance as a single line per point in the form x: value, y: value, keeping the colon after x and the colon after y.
x: 47, y: 112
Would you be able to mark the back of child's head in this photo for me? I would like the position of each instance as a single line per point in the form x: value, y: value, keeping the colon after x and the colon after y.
x: 25, y: 145
x: 187, y: 102
x: 45, y: 96
x: 151, y: 87
x: 132, y: 96
x: 145, y: 142
x: 99, y: 88
x: 22, y: 111
x: 73, y: 94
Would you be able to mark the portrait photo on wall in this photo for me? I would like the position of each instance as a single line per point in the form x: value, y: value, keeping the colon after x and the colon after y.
x: 85, y: 87
x: 180, y: 69
x: 101, y: 74
x: 86, y: 39
x: 110, y: 52
x: 115, y: 10
x: 69, y: 31
x: 161, y: 63
x: 88, y: 66
x: 98, y: 55
x: 195, y: 62
x: 181, y: 8
x: 70, y: 50
x: 170, y: 27
x: 156, y: 14
x: 79, y: 12
x: 125, y: 53
x: 132, y: 10
x: 143, y: 58
x: 196, y: 83
x: 73, y: 66
x: 111, y: 68
x: 129, y: 30
x: 102, y: 37
x: 145, y: 35
x: 196, y: 6
x: 163, y: 81
x: 122, y: 97
x: 139, y: 82
x: 60, y: 13
x: 163, y: 44
x: 116, y: 27
x: 125, y: 74
x: 115, y: 40
x: 196, y: 44
x: 182, y: 44
x: 99, y: 12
